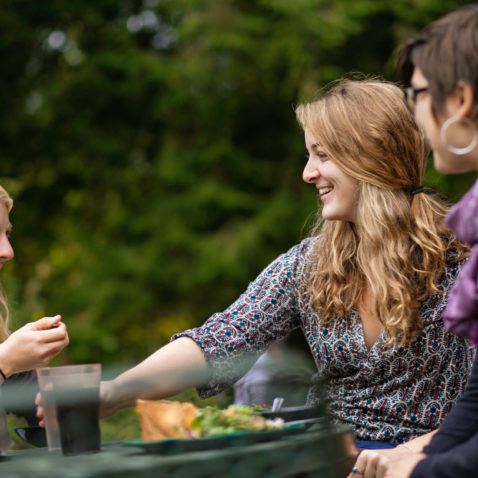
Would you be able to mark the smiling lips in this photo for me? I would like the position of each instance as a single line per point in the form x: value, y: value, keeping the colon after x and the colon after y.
x: 324, y: 191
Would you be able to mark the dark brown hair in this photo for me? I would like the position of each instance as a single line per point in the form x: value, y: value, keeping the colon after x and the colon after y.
x: 446, y: 52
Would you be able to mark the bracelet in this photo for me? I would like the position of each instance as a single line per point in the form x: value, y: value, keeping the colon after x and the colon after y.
x: 3, y: 375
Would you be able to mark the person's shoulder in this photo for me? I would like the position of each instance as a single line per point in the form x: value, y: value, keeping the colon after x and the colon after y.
x: 303, y: 248
x: 308, y: 243
x: 295, y: 259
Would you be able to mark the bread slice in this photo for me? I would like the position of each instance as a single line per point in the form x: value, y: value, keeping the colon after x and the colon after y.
x: 160, y: 419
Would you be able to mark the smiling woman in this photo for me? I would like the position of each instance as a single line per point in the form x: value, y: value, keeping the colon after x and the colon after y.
x: 338, y: 190
x: 367, y: 288
x: 385, y: 247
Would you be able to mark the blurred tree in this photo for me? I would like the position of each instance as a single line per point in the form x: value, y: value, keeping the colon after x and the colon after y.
x: 153, y: 154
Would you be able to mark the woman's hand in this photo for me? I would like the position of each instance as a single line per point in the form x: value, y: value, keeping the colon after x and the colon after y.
x: 393, y: 463
x: 40, y: 413
x: 108, y: 404
x: 115, y: 396
x: 33, y: 345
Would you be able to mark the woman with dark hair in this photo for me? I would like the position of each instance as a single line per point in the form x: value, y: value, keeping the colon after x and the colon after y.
x: 440, y: 70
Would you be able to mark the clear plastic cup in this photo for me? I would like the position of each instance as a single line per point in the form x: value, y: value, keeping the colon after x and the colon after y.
x: 49, y: 408
x: 70, y: 399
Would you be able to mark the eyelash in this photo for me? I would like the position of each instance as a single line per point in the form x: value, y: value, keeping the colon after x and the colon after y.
x: 321, y: 156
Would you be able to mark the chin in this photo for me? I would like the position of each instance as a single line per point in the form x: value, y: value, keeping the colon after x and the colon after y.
x: 443, y: 168
x: 452, y: 165
x: 334, y: 217
x: 329, y: 216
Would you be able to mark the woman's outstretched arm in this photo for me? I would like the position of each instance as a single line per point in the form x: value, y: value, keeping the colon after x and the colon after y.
x: 174, y: 368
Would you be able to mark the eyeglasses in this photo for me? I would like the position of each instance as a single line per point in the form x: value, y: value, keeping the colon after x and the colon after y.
x: 412, y: 93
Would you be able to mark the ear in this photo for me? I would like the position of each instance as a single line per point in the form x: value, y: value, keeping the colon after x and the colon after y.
x: 465, y: 100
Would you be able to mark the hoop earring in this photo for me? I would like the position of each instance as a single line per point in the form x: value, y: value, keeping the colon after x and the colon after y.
x: 453, y: 149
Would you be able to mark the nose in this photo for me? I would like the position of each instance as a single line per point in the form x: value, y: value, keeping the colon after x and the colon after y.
x: 6, y: 249
x: 310, y: 173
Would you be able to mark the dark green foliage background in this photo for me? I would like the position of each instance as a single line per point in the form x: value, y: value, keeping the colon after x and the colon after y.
x: 157, y: 169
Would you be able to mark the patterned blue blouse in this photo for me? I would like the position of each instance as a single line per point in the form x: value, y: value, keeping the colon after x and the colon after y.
x: 390, y: 394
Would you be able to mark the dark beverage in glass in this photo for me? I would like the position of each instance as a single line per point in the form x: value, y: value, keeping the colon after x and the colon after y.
x: 78, y: 420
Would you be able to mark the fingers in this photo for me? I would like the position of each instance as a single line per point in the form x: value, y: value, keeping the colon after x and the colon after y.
x: 370, y: 470
x: 40, y: 413
x: 382, y: 467
x: 355, y: 473
x: 366, y: 465
x: 51, y: 330
x: 58, y: 334
x: 359, y: 465
x: 50, y: 342
x: 40, y: 416
x: 39, y: 405
x: 45, y: 323
x: 50, y: 349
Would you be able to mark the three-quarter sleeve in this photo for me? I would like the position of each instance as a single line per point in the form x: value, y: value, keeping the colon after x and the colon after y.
x: 266, y: 312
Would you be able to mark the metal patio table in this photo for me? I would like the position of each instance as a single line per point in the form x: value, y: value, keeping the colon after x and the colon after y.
x: 319, y: 454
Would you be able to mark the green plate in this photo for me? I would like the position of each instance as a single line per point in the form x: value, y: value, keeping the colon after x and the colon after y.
x: 173, y: 446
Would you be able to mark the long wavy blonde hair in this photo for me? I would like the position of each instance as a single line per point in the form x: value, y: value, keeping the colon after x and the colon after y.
x: 6, y: 201
x: 398, y: 244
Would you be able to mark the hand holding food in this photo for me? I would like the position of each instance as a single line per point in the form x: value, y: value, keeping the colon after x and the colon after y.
x: 33, y: 345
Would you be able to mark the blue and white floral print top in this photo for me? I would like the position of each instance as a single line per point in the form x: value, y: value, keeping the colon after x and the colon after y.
x: 392, y: 394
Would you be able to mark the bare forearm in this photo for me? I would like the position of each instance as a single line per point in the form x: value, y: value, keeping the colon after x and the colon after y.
x: 176, y: 367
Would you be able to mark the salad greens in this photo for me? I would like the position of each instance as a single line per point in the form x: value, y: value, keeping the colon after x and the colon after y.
x: 212, y: 421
